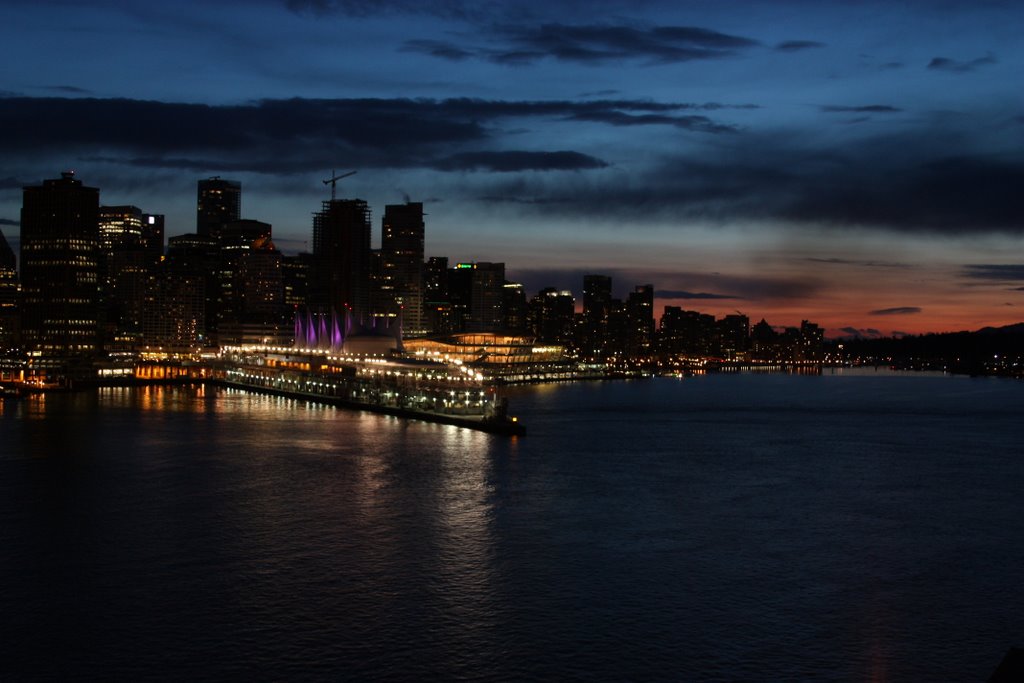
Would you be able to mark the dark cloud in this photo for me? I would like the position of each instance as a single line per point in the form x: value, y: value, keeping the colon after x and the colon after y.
x: 797, y: 45
x: 952, y: 65
x: 954, y: 194
x: 863, y: 109
x: 692, y: 122
x: 449, y: 9
x: 268, y: 125
x: 296, y: 135
x: 683, y: 294
x: 892, y: 183
x: 601, y: 93
x: 898, y: 310
x: 855, y: 262
x: 925, y: 178
x: 860, y: 333
x: 71, y: 89
x: 994, y: 271
x: 592, y: 44
x: 8, y: 221
x: 508, y: 161
x: 753, y: 288
x: 438, y: 48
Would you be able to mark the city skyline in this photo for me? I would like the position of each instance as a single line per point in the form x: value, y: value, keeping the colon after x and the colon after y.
x: 854, y: 165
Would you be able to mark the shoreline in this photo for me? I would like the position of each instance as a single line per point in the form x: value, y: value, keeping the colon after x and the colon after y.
x: 499, y: 426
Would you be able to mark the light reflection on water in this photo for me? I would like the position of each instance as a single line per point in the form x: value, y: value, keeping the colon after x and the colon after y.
x: 714, y: 528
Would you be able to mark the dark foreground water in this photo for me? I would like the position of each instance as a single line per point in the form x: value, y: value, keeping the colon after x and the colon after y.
x: 765, y: 528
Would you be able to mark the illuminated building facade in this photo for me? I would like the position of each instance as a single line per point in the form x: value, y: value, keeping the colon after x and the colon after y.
x: 499, y: 353
x: 60, y: 269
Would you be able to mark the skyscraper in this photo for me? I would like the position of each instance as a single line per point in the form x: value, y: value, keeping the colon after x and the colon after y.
x: 341, y: 256
x: 486, y: 309
x: 437, y: 303
x: 153, y: 235
x: 60, y: 269
x: 640, y: 313
x: 402, y: 252
x: 251, y: 296
x: 218, y: 201
x: 597, y: 304
x: 123, y: 275
x: 551, y: 316
x: 8, y: 295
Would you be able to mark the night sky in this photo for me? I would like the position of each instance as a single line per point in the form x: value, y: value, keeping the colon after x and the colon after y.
x: 860, y: 164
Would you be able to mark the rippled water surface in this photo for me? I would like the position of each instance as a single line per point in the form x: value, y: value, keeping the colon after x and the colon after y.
x: 740, y: 527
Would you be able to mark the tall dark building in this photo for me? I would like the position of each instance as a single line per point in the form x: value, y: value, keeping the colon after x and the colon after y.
x: 688, y: 332
x: 218, y: 202
x: 597, y: 303
x: 60, y: 269
x: 734, y: 333
x: 597, y: 297
x: 640, y: 312
x: 8, y: 261
x: 516, y: 307
x: 252, y: 290
x: 551, y: 316
x: 8, y: 296
x: 153, y: 235
x: 174, y: 318
x: 341, y: 256
x: 295, y: 273
x: 402, y: 264
x: 810, y: 347
x: 195, y: 258
x: 437, y: 304
x: 123, y: 275
x: 486, y: 301
x: 764, y: 341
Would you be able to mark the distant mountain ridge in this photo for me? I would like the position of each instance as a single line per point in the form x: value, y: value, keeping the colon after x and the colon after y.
x: 990, y: 350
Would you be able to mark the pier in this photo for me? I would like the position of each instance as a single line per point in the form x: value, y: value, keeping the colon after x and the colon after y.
x: 444, y: 393
x: 447, y: 394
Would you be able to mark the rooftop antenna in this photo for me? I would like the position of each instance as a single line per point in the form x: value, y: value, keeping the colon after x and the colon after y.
x: 334, y: 181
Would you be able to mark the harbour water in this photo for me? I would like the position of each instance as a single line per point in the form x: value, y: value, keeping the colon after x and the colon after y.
x: 847, y: 527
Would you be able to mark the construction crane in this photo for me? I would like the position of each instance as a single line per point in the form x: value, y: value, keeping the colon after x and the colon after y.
x: 334, y: 181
